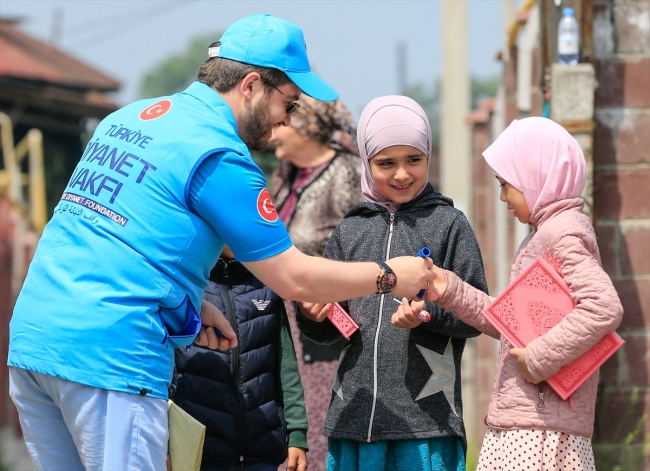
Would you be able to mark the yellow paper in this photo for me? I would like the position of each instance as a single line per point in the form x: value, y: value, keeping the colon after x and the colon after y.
x: 186, y: 436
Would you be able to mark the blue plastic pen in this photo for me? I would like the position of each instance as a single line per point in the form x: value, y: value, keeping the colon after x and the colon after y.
x: 424, y: 252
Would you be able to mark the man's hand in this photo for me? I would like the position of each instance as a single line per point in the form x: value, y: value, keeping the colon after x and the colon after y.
x: 316, y: 312
x: 406, y: 316
x: 520, y: 354
x: 413, y: 274
x: 212, y: 318
x: 438, y: 286
x: 297, y: 460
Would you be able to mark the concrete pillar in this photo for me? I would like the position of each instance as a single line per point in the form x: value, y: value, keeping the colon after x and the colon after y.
x: 572, y: 105
x: 456, y: 164
x: 499, y: 123
x: 455, y: 161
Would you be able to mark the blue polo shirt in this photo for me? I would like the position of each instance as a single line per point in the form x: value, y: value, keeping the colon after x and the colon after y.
x: 119, y: 272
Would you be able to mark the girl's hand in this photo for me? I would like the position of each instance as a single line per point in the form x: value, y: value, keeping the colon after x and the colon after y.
x: 438, y: 287
x: 316, y: 312
x: 520, y: 354
x: 406, y: 316
x: 297, y: 459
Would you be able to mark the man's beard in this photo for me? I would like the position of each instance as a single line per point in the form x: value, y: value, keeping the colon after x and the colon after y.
x: 255, y: 126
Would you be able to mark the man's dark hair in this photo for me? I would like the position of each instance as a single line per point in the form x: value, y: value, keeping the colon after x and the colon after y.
x: 224, y: 74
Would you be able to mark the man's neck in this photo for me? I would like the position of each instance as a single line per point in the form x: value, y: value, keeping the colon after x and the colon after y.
x: 235, y: 101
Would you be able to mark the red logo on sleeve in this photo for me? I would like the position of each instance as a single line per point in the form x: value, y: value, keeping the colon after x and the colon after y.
x: 156, y: 110
x: 265, y: 206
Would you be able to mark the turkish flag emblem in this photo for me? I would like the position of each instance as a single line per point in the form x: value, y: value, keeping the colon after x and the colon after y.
x: 265, y: 206
x: 156, y: 110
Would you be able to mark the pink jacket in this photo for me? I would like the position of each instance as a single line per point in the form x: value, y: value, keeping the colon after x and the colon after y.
x: 565, y: 238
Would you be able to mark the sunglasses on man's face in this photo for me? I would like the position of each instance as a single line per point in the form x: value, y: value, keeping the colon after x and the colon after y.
x: 291, y: 107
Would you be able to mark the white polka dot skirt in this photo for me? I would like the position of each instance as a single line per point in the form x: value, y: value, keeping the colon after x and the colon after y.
x: 535, y: 450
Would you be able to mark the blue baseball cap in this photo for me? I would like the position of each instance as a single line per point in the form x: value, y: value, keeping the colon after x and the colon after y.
x: 269, y: 41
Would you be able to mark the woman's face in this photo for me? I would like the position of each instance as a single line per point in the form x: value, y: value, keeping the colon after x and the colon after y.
x: 399, y: 172
x: 515, y: 200
x: 289, y: 145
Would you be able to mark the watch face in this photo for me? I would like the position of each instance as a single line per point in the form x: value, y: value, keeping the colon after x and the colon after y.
x: 388, y: 282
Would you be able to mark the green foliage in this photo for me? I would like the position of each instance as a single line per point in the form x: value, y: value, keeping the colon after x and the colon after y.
x: 268, y: 162
x: 472, y: 456
x: 177, y: 71
x: 628, y: 450
x: 484, y: 87
x: 428, y: 96
x: 3, y: 467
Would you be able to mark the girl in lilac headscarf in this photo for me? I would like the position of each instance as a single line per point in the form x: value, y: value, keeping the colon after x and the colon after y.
x: 541, y: 170
x: 396, y: 400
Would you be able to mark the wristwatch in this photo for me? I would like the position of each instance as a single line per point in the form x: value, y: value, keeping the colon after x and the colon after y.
x: 386, y: 280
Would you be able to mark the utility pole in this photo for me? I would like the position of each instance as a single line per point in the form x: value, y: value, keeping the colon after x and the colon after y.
x: 57, y: 26
x: 456, y: 163
x: 455, y: 136
x: 402, y: 64
x: 498, y: 125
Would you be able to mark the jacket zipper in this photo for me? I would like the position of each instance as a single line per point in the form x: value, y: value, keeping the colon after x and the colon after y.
x: 540, y: 394
x: 234, y: 369
x: 375, y: 352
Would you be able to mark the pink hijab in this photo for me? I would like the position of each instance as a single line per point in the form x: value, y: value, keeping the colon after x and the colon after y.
x: 539, y: 158
x: 390, y: 121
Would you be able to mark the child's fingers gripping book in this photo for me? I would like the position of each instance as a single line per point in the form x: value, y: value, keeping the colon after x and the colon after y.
x: 535, y: 302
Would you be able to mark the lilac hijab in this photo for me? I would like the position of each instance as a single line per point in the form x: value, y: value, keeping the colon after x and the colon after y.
x: 390, y: 121
x: 539, y: 158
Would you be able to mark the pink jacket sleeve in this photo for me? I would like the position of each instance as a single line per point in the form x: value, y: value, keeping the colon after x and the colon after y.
x: 598, y: 309
x: 467, y: 303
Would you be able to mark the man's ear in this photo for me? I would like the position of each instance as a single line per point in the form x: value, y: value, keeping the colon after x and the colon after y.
x: 249, y: 84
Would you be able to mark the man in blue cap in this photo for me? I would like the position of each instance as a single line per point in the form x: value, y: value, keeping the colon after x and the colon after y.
x: 117, y: 279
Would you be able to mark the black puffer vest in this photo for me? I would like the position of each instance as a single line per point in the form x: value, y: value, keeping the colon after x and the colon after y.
x: 236, y: 394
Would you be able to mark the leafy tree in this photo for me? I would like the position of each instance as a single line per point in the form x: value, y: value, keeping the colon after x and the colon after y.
x: 428, y: 96
x: 176, y: 72
x: 484, y: 87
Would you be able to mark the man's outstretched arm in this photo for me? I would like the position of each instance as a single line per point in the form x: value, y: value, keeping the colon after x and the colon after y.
x: 299, y: 277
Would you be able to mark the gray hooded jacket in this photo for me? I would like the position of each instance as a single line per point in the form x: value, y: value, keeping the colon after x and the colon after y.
x: 393, y: 383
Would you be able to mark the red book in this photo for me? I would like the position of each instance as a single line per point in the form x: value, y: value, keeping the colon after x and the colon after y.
x: 535, y: 302
x: 342, y: 320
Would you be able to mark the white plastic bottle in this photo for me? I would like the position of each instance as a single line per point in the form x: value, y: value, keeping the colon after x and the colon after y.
x: 568, y: 38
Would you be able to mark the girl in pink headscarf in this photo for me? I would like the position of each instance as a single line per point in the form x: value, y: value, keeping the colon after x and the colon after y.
x: 541, y: 170
x: 396, y: 400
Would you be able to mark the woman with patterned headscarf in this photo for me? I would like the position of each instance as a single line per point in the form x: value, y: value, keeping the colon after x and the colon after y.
x: 319, y: 177
x: 318, y: 180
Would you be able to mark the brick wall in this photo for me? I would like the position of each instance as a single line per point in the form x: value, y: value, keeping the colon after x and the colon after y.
x: 622, y: 221
x: 484, y: 185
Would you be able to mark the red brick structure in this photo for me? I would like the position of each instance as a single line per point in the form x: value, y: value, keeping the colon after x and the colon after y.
x: 622, y: 221
x: 483, y: 224
x: 616, y: 40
